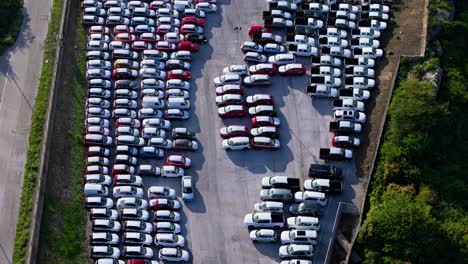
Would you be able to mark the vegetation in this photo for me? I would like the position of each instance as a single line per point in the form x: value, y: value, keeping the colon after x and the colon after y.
x: 36, y: 135
x: 418, y: 206
x: 65, y: 242
x: 11, y: 17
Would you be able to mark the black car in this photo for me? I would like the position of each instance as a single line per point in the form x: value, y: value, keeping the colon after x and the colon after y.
x: 125, y: 84
x: 302, y: 30
x: 196, y: 38
x: 323, y: 171
x: 185, y: 144
x: 182, y: 132
x: 309, y: 208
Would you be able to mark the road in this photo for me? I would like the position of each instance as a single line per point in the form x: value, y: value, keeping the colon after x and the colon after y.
x: 228, y: 184
x: 20, y: 68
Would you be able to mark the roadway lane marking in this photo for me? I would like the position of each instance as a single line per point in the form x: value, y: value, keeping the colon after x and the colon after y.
x: 3, y: 88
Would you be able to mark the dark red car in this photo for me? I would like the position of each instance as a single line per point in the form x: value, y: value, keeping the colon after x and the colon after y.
x: 140, y: 46
x: 193, y: 20
x: 123, y: 29
x: 263, y: 68
x: 264, y: 143
x: 124, y: 73
x: 232, y: 111
x: 345, y: 142
x: 256, y: 29
x: 292, y: 69
x: 163, y: 204
x: 125, y: 37
x: 258, y: 121
x: 99, y: 30
x: 179, y: 74
x: 259, y: 99
x: 166, y: 46
x: 149, y: 37
x: 234, y: 131
x: 179, y: 161
x: 189, y: 46
x: 163, y: 29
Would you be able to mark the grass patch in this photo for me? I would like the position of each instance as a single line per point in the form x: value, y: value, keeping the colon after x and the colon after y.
x: 11, y: 17
x: 36, y: 135
x: 65, y: 242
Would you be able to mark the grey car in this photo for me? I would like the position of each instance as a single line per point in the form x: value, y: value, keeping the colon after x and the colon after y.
x: 276, y: 194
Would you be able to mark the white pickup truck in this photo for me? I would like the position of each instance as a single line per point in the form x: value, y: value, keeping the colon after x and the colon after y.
x: 355, y: 94
x: 362, y: 71
x: 348, y: 104
x: 327, y: 60
x: 300, y: 39
x: 324, y: 71
x: 264, y: 220
x: 303, y: 50
x: 359, y: 82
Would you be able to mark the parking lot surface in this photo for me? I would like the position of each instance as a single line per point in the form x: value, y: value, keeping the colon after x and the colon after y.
x: 228, y: 183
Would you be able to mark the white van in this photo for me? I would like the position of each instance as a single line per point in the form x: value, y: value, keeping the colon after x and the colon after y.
x: 182, y: 5
x: 152, y: 102
x: 93, y: 189
x: 178, y: 103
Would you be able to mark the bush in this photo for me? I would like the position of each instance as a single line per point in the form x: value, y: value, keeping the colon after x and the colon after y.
x: 11, y: 17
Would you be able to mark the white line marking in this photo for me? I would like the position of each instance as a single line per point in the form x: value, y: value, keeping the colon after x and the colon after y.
x: 3, y: 89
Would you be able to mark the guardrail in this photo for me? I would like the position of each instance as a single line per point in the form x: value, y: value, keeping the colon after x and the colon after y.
x: 36, y: 216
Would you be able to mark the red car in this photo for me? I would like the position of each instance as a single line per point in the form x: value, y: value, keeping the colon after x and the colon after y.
x: 99, y: 30
x: 258, y: 121
x: 179, y: 74
x: 232, y: 111
x: 263, y: 68
x: 292, y: 69
x: 193, y: 20
x: 163, y: 29
x: 260, y: 99
x: 257, y: 29
x: 189, y: 46
x: 179, y: 161
x: 163, y: 204
x: 234, y: 131
x: 124, y: 73
x: 140, y: 46
x: 149, y: 38
x: 264, y: 143
x: 123, y: 29
x: 125, y: 37
x: 345, y: 142
x: 166, y: 46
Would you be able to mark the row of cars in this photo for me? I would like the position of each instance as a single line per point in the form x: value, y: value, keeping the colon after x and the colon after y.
x: 303, y: 225
x: 138, y: 72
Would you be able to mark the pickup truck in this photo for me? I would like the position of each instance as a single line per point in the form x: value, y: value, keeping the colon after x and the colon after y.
x: 264, y: 220
x: 277, y: 23
x: 300, y: 39
x: 315, y: 7
x: 332, y: 42
x: 359, y: 82
x: 375, y: 8
x: 341, y: 23
x: 341, y: 14
x: 324, y: 171
x: 326, y: 80
x: 321, y: 90
x: 284, y: 182
x: 362, y: 71
x: 324, y: 185
x: 303, y: 50
x: 284, y: 6
x: 301, y: 30
x: 375, y: 15
x: 355, y: 94
x: 277, y: 13
x: 337, y: 154
x: 324, y: 71
x: 345, y: 127
x: 336, y: 51
x: 361, y: 61
x: 310, y: 22
x: 265, y: 37
x: 333, y: 32
x: 365, y: 42
x: 310, y: 13
x: 365, y: 32
x: 348, y: 104
x: 373, y: 23
x: 367, y: 52
x: 327, y: 60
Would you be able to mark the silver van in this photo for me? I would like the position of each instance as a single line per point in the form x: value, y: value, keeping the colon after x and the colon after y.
x: 152, y: 102
x: 178, y: 103
x: 93, y: 189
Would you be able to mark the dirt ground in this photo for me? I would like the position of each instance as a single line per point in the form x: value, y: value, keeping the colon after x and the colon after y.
x: 57, y: 182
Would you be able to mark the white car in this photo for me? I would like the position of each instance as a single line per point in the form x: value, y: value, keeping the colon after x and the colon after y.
x: 106, y: 225
x: 303, y: 223
x: 206, y: 7
x: 110, y: 261
x: 134, y: 214
x: 236, y: 143
x: 263, y: 235
x: 187, y: 188
x: 103, y: 213
x: 98, y: 64
x: 177, y: 84
x: 173, y: 254
x: 173, y: 37
x: 138, y: 252
x: 350, y: 115
x: 138, y: 226
x: 166, y: 227
x: 296, y: 261
x: 99, y: 179
x: 172, y: 171
x: 137, y: 238
x: 281, y: 59
x: 161, y: 192
x: 296, y: 251
x: 105, y: 252
x: 166, y: 215
x: 169, y: 240
x: 128, y: 191
x: 132, y: 202
x: 98, y: 202
x: 227, y: 79
x: 236, y: 69
x: 299, y: 237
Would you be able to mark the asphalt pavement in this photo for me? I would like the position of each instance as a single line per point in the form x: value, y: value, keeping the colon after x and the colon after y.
x: 20, y: 68
x: 228, y: 183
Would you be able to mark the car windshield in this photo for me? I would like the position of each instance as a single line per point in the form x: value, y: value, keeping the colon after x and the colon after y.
x: 256, y: 218
x: 187, y: 189
x: 290, y: 250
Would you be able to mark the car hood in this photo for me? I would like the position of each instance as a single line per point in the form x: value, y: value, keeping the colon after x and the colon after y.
x: 283, y: 251
x: 248, y: 219
x: 266, y: 181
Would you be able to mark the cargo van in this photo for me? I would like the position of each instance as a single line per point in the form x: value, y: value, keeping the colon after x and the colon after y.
x: 178, y: 103
x: 92, y: 189
x: 152, y: 102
